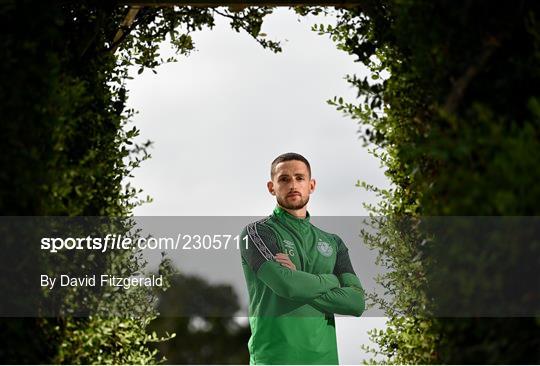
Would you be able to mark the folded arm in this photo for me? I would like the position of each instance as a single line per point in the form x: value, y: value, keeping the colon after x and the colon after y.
x: 345, y: 300
x: 349, y: 298
x: 294, y: 285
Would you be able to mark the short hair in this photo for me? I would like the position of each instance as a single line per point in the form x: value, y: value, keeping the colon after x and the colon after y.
x: 288, y: 157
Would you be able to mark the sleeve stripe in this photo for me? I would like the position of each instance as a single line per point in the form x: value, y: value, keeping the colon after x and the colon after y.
x: 257, y: 240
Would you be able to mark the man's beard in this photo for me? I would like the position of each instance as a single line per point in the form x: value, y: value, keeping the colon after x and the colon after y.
x: 293, y: 206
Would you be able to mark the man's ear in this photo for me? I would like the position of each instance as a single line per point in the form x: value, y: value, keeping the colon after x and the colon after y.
x: 312, y: 184
x: 270, y: 186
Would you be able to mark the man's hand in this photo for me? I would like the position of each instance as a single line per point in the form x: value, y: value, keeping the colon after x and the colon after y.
x: 285, y: 261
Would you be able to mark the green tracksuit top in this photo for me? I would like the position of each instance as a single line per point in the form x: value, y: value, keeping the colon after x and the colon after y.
x: 291, y: 313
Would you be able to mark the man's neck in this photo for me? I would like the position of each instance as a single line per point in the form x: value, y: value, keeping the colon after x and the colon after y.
x: 300, y: 213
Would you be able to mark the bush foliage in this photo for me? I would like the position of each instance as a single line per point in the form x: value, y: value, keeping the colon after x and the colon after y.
x: 451, y: 110
x: 66, y: 152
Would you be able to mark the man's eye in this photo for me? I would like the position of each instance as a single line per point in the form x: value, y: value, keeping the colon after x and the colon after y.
x: 300, y: 178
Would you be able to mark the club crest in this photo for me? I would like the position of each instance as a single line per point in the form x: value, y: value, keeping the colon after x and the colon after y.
x: 325, y: 248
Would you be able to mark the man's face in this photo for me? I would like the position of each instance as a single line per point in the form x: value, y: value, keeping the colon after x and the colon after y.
x: 291, y: 184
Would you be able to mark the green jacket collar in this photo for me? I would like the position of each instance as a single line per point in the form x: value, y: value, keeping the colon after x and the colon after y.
x: 282, y: 214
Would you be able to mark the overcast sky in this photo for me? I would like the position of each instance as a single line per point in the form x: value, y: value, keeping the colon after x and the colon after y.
x: 220, y: 116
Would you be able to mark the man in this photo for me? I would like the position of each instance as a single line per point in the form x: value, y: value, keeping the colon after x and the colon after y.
x: 297, y: 275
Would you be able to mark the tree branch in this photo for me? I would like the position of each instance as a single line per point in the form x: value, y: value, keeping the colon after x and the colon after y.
x: 128, y: 24
x: 458, y: 90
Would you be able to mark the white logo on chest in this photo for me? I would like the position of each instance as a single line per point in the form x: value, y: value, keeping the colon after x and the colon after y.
x: 289, y: 247
x: 324, y: 248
